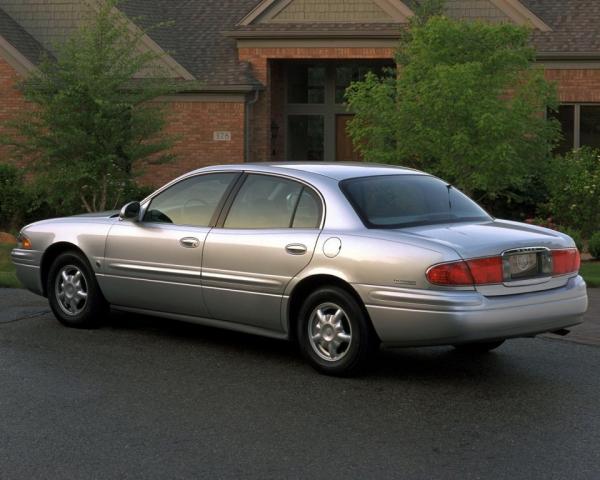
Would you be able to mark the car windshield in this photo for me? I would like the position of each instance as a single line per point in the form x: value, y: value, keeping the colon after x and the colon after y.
x: 395, y: 201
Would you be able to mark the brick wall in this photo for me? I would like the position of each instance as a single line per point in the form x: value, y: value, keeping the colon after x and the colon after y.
x: 11, y: 100
x: 260, y: 60
x: 194, y: 124
x: 576, y: 85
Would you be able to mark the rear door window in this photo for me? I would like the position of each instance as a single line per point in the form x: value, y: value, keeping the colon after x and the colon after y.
x: 270, y: 202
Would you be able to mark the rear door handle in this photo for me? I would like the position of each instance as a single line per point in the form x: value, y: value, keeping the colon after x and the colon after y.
x: 189, y: 242
x: 296, y: 249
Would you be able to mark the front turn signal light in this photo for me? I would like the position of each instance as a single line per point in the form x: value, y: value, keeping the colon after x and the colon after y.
x: 24, y: 243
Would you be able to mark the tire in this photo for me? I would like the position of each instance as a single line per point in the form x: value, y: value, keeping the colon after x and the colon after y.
x: 69, y: 279
x: 479, y: 347
x: 334, y: 333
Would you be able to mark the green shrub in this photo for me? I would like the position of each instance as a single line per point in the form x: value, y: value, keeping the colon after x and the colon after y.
x: 594, y: 245
x: 574, y: 234
x: 574, y: 191
x: 12, y: 196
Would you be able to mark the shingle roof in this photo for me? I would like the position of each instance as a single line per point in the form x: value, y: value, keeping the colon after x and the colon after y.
x: 194, y: 37
x: 14, y: 34
x: 575, y: 26
x: 198, y: 37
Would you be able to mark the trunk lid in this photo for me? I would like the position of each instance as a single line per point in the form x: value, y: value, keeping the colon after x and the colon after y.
x: 487, y: 239
x: 493, y: 238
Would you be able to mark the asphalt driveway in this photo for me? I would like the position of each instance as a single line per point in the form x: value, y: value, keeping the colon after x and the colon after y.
x: 152, y: 398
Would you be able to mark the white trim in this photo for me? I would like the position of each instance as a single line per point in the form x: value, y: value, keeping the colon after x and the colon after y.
x: 391, y: 6
x: 203, y: 97
x: 318, y: 43
x: 520, y: 14
x: 256, y: 12
x: 167, y: 60
x: 15, y: 58
x: 270, y: 15
x: 577, y: 126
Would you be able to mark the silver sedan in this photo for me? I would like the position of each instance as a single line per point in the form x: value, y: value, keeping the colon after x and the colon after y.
x: 336, y: 257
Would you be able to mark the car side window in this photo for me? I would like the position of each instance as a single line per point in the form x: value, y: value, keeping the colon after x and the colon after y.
x: 268, y: 202
x: 192, y: 201
x: 308, y: 212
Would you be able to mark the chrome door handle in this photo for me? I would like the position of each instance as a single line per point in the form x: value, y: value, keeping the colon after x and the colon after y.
x: 295, y: 249
x: 189, y: 242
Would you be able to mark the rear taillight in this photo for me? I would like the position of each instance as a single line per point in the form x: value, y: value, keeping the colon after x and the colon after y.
x: 565, y: 261
x: 490, y: 270
x: 486, y: 270
x: 455, y: 273
x: 480, y: 271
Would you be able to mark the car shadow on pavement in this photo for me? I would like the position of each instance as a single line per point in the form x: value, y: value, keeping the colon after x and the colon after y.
x: 179, y: 331
x: 431, y: 363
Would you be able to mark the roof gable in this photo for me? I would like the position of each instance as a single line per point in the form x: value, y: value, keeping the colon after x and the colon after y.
x: 328, y: 11
x: 18, y: 47
x: 515, y: 11
x: 520, y: 14
x: 49, y: 22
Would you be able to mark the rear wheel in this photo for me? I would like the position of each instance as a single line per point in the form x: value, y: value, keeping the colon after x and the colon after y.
x: 334, y: 333
x: 479, y: 347
x: 73, y: 292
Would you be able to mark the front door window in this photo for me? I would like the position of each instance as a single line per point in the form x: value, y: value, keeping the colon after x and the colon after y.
x: 316, y: 116
x: 306, y: 137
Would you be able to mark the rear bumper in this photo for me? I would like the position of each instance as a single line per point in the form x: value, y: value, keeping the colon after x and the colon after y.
x: 407, y: 318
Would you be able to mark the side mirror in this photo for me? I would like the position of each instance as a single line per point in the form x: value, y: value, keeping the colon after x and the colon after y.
x: 131, y: 211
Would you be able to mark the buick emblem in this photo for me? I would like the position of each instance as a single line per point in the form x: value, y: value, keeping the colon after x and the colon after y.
x: 523, y: 262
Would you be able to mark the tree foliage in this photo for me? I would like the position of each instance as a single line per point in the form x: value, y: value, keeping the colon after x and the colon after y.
x: 574, y: 191
x: 93, y: 120
x: 465, y: 103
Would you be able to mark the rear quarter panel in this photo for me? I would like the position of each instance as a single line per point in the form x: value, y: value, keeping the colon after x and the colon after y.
x: 369, y: 259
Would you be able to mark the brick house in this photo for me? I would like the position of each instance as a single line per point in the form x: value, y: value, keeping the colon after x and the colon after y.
x: 273, y: 72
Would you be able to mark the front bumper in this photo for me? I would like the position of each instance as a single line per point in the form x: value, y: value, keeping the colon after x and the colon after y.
x: 27, y: 265
x: 402, y: 317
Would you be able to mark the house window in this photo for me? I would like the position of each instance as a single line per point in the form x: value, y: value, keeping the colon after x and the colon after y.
x: 315, y: 113
x: 580, y: 126
x: 306, y: 134
x: 306, y: 84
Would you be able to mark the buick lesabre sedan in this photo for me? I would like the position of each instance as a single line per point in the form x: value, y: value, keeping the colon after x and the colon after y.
x: 336, y: 257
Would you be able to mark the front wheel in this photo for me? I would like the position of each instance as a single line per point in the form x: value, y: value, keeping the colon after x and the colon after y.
x: 334, y: 333
x: 479, y: 347
x: 73, y: 292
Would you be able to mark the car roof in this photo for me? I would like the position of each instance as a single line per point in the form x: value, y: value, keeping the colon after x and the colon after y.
x: 335, y: 170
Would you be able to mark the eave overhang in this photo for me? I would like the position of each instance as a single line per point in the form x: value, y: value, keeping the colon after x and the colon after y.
x: 313, y: 34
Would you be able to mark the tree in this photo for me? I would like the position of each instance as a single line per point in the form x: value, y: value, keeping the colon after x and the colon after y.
x: 93, y: 120
x: 465, y: 103
x: 574, y: 191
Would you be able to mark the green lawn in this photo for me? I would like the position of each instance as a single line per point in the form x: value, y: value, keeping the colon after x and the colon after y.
x: 589, y: 270
x: 8, y: 278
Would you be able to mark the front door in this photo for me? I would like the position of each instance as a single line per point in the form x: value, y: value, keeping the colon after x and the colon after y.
x: 267, y: 237
x: 344, y: 148
x: 155, y: 264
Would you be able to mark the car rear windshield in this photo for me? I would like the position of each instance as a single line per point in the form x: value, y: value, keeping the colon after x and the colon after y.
x: 395, y: 201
